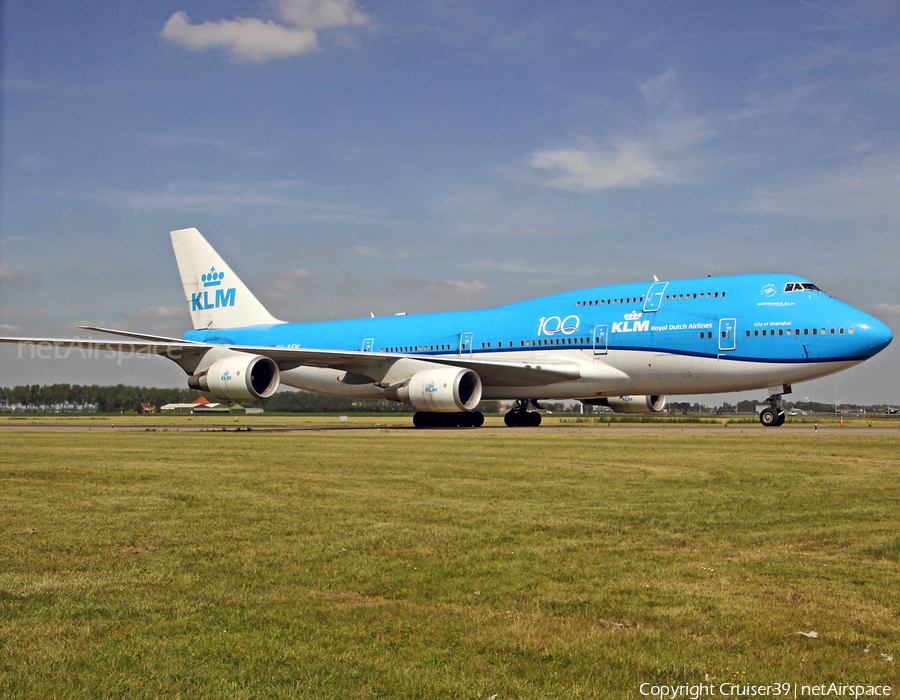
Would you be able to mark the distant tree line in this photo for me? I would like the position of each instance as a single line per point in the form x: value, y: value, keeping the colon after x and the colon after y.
x: 115, y: 399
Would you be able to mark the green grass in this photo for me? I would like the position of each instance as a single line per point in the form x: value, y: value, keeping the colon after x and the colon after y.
x: 459, y: 564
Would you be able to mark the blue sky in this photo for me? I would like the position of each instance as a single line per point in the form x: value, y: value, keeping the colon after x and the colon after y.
x: 349, y: 158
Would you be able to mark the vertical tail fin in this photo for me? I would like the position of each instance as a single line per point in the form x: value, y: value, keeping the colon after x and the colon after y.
x: 216, y: 296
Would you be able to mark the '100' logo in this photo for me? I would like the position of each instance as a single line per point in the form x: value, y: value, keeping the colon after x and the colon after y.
x: 554, y: 324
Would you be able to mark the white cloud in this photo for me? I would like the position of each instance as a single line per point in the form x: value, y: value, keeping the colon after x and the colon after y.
x: 658, y: 149
x: 9, y: 328
x: 659, y: 90
x: 388, y: 254
x: 860, y: 189
x: 247, y: 38
x: 256, y: 40
x: 17, y: 279
x: 628, y: 164
x: 164, y: 312
x: 887, y: 310
x: 287, y: 285
x: 197, y: 196
x: 321, y: 13
x: 444, y: 288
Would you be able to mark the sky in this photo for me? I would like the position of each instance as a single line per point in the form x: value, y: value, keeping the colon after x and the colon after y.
x: 350, y: 158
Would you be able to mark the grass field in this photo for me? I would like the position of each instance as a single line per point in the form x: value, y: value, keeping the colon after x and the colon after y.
x: 459, y: 564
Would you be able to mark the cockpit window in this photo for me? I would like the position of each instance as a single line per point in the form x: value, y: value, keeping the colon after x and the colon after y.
x: 800, y: 286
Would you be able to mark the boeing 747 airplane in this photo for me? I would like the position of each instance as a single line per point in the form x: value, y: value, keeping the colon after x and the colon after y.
x: 625, y: 346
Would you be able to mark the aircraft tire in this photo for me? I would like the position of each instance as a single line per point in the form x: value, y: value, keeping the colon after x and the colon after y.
x: 769, y: 418
x: 423, y: 419
x: 779, y: 418
x: 465, y: 419
x: 512, y: 419
x: 477, y: 419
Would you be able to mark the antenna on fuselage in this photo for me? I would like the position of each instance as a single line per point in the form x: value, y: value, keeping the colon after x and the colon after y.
x: 655, y: 278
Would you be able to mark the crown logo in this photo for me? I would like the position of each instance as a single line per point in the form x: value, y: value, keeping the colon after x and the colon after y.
x: 633, y: 316
x: 212, y: 278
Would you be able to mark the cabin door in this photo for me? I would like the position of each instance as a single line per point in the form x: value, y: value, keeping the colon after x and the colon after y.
x: 601, y: 334
x: 465, y: 344
x: 367, y: 344
x: 654, y: 297
x: 727, y: 333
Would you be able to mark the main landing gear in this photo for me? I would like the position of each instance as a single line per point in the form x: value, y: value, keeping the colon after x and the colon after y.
x: 521, y: 417
x: 466, y: 419
x: 773, y: 415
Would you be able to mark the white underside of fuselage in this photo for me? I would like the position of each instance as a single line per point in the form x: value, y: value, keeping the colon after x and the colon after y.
x: 617, y: 373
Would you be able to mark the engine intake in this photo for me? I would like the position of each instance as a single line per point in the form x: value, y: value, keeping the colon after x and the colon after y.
x: 631, y: 404
x: 445, y: 390
x: 239, y: 377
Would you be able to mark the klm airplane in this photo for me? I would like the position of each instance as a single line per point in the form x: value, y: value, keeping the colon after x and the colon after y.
x: 625, y: 346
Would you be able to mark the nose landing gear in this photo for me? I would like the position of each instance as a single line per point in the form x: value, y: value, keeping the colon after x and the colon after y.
x: 773, y: 415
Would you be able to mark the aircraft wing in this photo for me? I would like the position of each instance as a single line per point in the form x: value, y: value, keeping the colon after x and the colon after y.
x: 376, y: 364
x: 373, y: 365
x: 170, y: 349
x: 145, y: 336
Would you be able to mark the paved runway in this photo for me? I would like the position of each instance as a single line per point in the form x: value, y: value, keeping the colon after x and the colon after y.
x: 39, y: 425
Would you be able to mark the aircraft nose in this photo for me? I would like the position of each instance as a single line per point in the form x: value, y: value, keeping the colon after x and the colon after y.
x: 878, y: 334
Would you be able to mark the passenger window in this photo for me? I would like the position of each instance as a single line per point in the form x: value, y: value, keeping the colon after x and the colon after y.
x: 815, y: 331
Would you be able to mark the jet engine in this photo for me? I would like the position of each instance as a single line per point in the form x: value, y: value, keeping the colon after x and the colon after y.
x: 632, y: 404
x: 445, y: 390
x: 239, y: 377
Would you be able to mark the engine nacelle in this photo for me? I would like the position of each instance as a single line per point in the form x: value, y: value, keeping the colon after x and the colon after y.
x: 445, y: 390
x: 632, y: 404
x: 239, y: 377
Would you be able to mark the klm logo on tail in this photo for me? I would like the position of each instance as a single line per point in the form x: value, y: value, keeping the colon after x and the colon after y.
x: 212, y: 298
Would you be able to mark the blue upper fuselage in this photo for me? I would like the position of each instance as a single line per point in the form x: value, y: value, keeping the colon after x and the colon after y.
x: 760, y: 317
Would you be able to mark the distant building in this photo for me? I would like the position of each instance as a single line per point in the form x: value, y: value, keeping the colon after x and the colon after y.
x: 202, y: 406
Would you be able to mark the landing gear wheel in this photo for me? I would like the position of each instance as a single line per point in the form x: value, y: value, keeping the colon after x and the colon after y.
x: 470, y: 419
x: 768, y: 418
x: 771, y: 417
x: 432, y: 419
x: 522, y: 419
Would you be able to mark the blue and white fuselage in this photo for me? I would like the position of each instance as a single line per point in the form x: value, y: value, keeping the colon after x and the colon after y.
x: 626, y: 346
x: 704, y: 335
